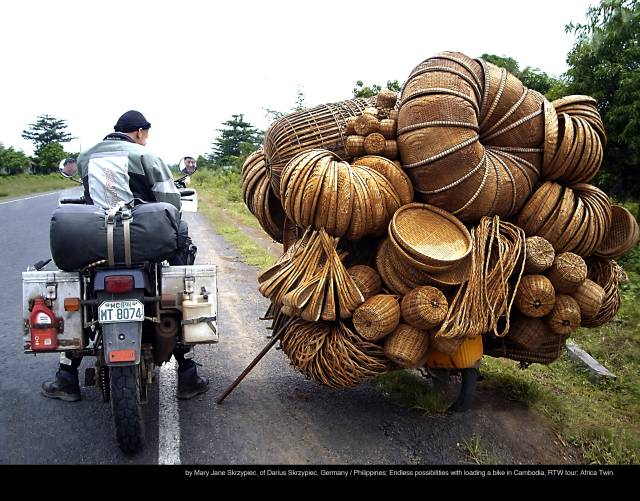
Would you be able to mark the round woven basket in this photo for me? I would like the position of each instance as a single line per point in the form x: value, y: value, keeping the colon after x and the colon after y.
x: 608, y: 275
x: 388, y: 128
x: 565, y: 317
x: 431, y: 236
x: 391, y: 149
x: 377, y: 316
x: 528, y: 333
x: 374, y: 144
x: 394, y: 174
x: 386, y: 99
x: 621, y: 237
x: 354, y: 146
x: 407, y: 346
x: 366, y: 124
x: 589, y: 296
x: 536, y: 296
x: 540, y: 255
x: 567, y: 272
x: 424, y: 307
x: 366, y: 279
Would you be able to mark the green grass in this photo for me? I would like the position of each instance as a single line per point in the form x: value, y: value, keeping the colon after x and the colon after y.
x: 603, y: 419
x: 218, y: 195
x: 24, y: 184
x: 478, y: 453
x: 412, y: 390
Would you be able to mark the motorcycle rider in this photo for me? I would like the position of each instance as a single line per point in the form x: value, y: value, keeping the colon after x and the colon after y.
x: 120, y: 169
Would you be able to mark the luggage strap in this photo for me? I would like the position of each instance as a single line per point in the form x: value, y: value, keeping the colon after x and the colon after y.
x: 110, y: 217
x: 200, y: 320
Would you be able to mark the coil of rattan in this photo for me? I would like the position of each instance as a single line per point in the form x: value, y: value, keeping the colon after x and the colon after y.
x: 536, y: 296
x: 332, y: 354
x: 565, y: 317
x: 567, y: 272
x: 424, y: 308
x: 377, y: 316
x: 407, y: 346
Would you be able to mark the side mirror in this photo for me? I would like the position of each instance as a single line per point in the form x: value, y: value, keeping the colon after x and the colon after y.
x: 188, y: 165
x: 68, y: 167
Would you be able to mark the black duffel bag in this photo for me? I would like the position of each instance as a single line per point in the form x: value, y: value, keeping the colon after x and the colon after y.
x: 78, y: 234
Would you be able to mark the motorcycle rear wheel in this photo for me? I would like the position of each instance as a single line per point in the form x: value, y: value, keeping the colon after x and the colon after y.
x: 127, y: 410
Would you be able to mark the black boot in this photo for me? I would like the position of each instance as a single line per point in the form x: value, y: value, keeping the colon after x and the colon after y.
x: 65, y: 386
x: 190, y: 384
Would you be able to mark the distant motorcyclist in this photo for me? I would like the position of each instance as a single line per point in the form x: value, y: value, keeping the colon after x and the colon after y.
x: 120, y: 168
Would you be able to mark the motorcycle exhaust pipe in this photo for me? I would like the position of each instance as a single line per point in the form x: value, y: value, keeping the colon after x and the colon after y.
x: 165, y: 339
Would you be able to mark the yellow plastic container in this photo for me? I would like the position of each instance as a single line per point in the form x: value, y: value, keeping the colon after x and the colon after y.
x: 467, y: 355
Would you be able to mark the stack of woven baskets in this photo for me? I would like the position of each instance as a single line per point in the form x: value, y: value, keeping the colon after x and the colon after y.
x: 483, y: 237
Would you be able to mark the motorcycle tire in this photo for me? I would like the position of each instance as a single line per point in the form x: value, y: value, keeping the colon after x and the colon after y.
x: 467, y: 391
x: 127, y: 410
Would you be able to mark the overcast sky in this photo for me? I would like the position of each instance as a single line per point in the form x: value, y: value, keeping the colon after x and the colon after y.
x: 189, y: 65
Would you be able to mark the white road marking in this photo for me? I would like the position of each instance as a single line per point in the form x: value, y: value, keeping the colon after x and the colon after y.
x: 169, y: 419
x: 29, y: 198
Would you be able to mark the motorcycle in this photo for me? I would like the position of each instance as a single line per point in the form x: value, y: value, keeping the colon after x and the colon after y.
x: 130, y: 316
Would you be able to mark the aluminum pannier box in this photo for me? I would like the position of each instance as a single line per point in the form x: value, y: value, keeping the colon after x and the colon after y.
x: 53, y: 287
x: 193, y: 290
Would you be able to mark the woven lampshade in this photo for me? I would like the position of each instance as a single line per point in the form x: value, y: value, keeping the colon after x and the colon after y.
x: 377, y: 316
x: 407, y: 346
x: 424, y: 307
x: 565, y: 317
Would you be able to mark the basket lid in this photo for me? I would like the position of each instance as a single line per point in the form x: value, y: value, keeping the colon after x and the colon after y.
x: 431, y: 234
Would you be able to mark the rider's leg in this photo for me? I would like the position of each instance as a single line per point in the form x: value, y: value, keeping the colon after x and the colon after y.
x: 190, y: 383
x: 65, y: 386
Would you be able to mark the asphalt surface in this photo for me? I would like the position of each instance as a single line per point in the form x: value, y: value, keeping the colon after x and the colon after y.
x: 275, y: 416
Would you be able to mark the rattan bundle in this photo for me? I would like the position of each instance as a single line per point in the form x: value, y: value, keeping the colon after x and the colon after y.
x: 497, y: 258
x: 259, y: 198
x: 589, y: 296
x: 540, y: 255
x: 366, y: 279
x: 565, y: 318
x: 622, y: 236
x: 332, y: 354
x: 424, y: 308
x: 311, y: 281
x: 528, y: 333
x: 567, y: 272
x: 430, y: 238
x: 377, y: 317
x: 407, y: 346
x: 320, y: 191
x: 608, y: 275
x: 319, y: 127
x: 470, y: 136
x: 536, y: 296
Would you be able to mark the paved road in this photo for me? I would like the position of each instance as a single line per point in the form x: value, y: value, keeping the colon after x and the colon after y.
x: 275, y: 417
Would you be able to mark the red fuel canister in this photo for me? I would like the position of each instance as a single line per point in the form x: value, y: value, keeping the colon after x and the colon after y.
x: 43, y: 325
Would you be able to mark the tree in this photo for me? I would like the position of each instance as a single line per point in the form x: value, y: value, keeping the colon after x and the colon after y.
x: 299, y: 105
x: 50, y: 156
x: 13, y: 161
x: 532, y: 78
x: 45, y: 130
x: 237, y: 140
x: 360, y: 90
x: 605, y: 63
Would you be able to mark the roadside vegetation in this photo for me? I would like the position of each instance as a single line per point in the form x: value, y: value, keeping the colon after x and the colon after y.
x: 24, y: 184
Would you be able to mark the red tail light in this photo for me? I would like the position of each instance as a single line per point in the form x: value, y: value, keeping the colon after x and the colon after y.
x: 117, y: 284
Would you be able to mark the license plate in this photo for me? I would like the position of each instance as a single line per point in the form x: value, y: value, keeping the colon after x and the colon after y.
x: 121, y: 311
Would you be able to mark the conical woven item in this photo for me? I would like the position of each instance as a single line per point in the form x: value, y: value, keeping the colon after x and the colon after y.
x: 567, y: 272
x: 622, y: 236
x: 528, y: 333
x: 535, y: 297
x: 540, y: 255
x: 407, y: 346
x: 377, y: 316
x: 366, y: 279
x: 388, y: 128
x: 366, y: 124
x: 354, y: 146
x: 565, y: 317
x: 374, y: 144
x: 431, y: 235
x: 589, y: 296
x: 424, y: 308
x: 318, y: 127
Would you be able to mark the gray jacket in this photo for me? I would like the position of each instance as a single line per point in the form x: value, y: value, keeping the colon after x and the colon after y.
x: 118, y: 169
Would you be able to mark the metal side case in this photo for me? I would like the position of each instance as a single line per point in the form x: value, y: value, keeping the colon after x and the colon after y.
x: 51, y: 311
x: 193, y: 290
